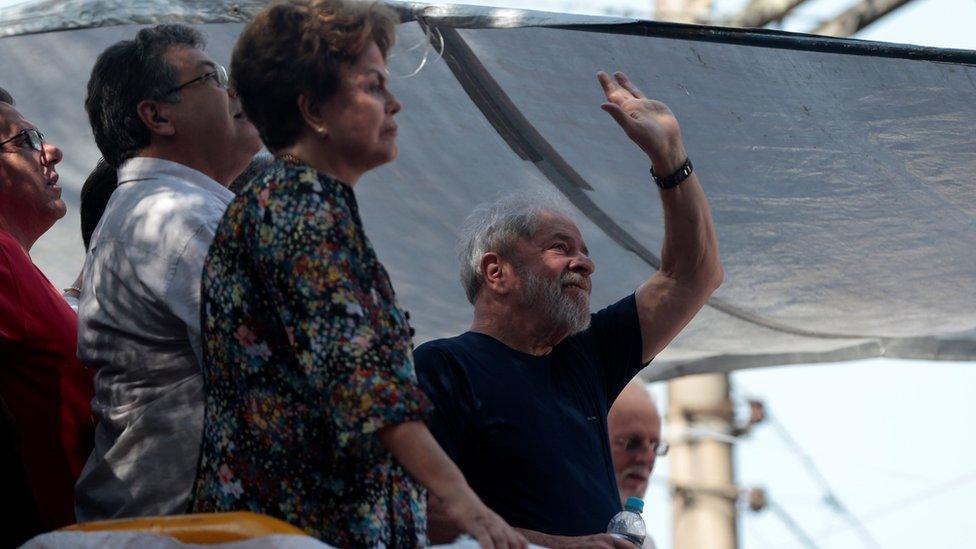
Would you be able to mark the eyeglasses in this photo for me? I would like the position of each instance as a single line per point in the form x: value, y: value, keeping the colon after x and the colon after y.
x: 34, y: 138
x: 637, y: 443
x: 219, y: 75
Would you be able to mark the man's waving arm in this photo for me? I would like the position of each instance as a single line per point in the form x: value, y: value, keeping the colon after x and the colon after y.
x: 690, y: 266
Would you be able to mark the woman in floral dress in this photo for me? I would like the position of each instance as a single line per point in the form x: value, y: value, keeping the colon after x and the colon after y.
x: 313, y: 413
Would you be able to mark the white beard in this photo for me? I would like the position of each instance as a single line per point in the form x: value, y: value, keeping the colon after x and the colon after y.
x: 561, y: 310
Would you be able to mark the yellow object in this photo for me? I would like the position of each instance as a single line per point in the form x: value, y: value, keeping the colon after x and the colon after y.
x: 196, y: 528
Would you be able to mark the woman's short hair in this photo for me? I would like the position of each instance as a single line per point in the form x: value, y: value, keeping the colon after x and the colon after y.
x: 301, y: 47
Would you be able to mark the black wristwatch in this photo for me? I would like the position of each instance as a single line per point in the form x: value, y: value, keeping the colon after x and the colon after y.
x: 674, y: 179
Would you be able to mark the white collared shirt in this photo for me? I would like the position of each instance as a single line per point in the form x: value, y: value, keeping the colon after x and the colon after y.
x: 139, y: 328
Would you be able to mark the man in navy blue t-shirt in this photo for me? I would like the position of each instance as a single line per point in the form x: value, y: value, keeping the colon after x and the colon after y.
x: 522, y: 398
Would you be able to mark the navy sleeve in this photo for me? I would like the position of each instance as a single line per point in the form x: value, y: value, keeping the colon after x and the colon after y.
x: 617, y: 340
x: 442, y: 378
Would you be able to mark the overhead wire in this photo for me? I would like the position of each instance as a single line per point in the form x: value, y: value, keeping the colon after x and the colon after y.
x: 913, y: 499
x: 830, y: 497
x: 778, y: 511
x: 791, y: 524
x: 755, y: 534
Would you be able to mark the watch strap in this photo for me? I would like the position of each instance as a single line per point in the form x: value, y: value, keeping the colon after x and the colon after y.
x: 675, y: 178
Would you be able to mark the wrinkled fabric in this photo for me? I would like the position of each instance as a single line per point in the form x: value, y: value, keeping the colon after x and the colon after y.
x: 139, y: 328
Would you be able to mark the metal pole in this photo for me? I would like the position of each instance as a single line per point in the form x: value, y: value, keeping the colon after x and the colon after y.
x: 683, y: 11
x: 702, y: 477
x: 858, y: 16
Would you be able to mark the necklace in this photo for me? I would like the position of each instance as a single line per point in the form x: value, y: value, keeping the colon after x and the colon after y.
x: 288, y: 157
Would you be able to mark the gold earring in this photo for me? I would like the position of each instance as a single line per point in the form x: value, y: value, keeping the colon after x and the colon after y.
x: 320, y: 130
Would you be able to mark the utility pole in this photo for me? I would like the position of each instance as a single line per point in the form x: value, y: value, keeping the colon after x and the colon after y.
x: 703, y: 490
x: 858, y: 16
x: 700, y: 410
x: 683, y: 11
x: 759, y: 13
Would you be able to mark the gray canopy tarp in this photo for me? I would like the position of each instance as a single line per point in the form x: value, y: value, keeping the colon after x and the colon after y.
x: 841, y: 173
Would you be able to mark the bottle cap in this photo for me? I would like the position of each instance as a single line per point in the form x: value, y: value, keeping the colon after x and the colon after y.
x: 634, y: 504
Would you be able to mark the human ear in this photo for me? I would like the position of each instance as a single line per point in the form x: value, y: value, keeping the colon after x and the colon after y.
x: 153, y: 115
x: 496, y: 273
x: 312, y: 115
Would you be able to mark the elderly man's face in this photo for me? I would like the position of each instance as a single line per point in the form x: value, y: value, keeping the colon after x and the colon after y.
x: 635, y: 430
x: 554, y: 271
x: 30, y: 197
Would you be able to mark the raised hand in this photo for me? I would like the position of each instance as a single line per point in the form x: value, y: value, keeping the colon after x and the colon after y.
x: 648, y: 123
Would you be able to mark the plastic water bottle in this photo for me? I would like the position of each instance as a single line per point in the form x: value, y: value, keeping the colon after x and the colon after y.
x: 628, y: 523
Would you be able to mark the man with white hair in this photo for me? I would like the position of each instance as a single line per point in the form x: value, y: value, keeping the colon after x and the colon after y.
x: 634, y: 425
x: 522, y: 398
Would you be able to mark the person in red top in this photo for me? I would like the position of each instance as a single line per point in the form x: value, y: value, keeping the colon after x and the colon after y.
x: 45, y: 392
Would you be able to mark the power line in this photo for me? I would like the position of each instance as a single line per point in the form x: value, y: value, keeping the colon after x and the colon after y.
x: 831, y: 498
x: 755, y: 535
x: 913, y: 499
x: 930, y: 492
x: 791, y: 525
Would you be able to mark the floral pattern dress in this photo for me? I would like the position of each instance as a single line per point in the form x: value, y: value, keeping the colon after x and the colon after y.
x: 306, y: 357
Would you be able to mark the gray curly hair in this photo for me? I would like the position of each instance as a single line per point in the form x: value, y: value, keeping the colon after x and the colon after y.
x: 497, y: 226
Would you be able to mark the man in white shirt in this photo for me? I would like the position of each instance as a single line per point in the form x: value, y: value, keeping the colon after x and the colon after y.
x: 163, y: 114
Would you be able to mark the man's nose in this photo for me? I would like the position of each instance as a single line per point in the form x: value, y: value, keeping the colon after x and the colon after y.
x: 643, y: 458
x: 583, y: 264
x: 52, y: 154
